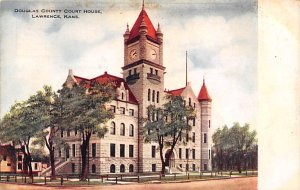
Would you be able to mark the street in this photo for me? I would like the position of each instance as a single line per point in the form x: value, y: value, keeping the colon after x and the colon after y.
x: 247, y: 183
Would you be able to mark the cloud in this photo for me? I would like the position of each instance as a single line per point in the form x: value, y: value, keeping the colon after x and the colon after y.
x: 221, y: 47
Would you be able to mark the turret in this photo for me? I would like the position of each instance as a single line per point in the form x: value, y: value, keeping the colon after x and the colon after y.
x: 206, y: 134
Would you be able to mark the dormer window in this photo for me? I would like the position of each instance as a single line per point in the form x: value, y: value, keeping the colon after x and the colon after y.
x: 151, y: 70
x: 135, y: 71
x: 122, y: 96
x: 156, y: 72
x: 130, y: 73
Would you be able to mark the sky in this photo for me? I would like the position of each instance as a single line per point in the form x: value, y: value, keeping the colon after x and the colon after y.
x: 220, y: 37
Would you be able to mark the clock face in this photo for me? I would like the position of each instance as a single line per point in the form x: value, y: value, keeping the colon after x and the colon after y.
x: 133, y: 54
x: 152, y: 54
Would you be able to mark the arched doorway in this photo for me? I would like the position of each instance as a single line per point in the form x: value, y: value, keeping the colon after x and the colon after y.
x: 171, y: 161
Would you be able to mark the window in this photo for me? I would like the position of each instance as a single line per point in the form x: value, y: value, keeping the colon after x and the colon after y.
x: 131, y: 130
x: 208, y: 123
x: 130, y: 72
x: 134, y: 70
x: 19, y: 166
x: 194, y: 153
x: 131, y: 169
x: 112, y: 128
x: 194, y: 137
x: 187, y: 153
x: 73, y: 167
x: 122, y: 110
x: 153, y: 167
x: 205, y: 138
x: 112, y: 168
x: 61, y: 133
x: 19, y: 158
x: 122, y: 129
x: 187, y: 136
x: 93, y: 168
x: 131, y: 112
x: 73, y: 150
x: 157, y: 97
x: 75, y: 131
x: 151, y: 70
x: 67, y: 153
x: 131, y: 151
x: 194, y: 121
x: 68, y: 133
x: 35, y: 166
x: 156, y: 72
x: 153, y: 116
x: 8, y: 164
x: 122, y: 150
x: 184, y: 102
x: 180, y: 165
x: 194, y: 167
x: 59, y: 153
x: 209, y: 154
x: 113, y: 108
x: 149, y: 94
x: 194, y: 105
x: 122, y: 168
x: 122, y: 96
x: 153, y: 95
x: 190, y: 102
x: 180, y: 154
x: 153, y: 152
x: 112, y: 150
x: 187, y: 167
x: 205, y: 166
x: 94, y: 150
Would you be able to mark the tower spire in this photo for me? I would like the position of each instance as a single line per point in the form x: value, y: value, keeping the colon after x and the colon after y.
x: 186, y: 67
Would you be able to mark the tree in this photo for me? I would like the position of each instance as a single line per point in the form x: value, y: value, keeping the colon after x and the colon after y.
x: 20, y: 125
x: 170, y: 123
x: 84, y: 109
x: 47, y: 103
x: 234, y: 147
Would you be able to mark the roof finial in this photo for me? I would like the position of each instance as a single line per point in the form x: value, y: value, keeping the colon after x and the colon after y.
x: 186, y: 67
x: 127, y: 29
x: 203, y: 79
x: 143, y: 5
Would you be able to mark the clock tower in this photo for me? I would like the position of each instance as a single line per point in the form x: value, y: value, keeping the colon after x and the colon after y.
x: 143, y: 71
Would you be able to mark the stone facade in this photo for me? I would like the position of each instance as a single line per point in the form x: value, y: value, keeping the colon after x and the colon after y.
x: 122, y: 150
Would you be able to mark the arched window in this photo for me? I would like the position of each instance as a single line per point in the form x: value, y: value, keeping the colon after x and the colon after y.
x: 122, y: 129
x: 157, y: 97
x: 131, y: 130
x: 93, y: 168
x: 122, y: 168
x: 112, y: 128
x: 149, y: 94
x: 112, y: 168
x: 122, y: 96
x: 131, y: 168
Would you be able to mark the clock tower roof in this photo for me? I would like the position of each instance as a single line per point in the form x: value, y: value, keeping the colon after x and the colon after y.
x: 143, y: 18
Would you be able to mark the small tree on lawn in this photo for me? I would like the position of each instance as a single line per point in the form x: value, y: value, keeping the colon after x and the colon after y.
x: 167, y: 124
x: 84, y: 109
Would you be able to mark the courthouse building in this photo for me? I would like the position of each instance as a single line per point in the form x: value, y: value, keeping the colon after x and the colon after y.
x: 123, y: 150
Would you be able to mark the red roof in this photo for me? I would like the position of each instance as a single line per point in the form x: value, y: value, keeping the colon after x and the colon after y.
x: 203, y: 94
x: 176, y: 92
x: 134, y: 32
x: 105, y: 78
